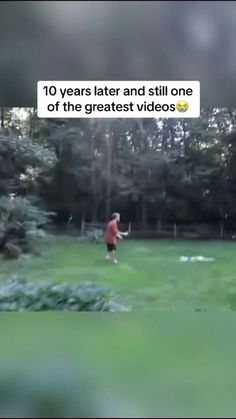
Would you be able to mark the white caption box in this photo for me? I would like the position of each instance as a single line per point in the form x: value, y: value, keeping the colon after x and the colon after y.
x: 118, y: 99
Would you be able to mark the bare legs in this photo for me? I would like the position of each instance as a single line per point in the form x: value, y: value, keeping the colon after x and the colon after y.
x: 112, y: 257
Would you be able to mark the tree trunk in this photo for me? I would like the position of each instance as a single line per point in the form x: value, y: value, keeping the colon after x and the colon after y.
x: 109, y: 176
x: 93, y: 180
x: 95, y: 212
x: 159, y: 224
x: 143, y: 214
x: 32, y: 121
x: 172, y: 134
x: 185, y: 141
x: 2, y: 118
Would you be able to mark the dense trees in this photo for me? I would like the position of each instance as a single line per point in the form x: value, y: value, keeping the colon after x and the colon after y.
x: 153, y: 171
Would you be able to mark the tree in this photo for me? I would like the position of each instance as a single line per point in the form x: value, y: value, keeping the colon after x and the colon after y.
x: 151, y: 170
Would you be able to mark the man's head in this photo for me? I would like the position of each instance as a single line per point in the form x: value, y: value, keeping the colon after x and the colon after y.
x: 116, y: 216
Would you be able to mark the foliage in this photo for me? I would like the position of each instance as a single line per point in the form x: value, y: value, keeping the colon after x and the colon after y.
x: 21, y: 295
x: 12, y: 251
x: 152, y: 171
x: 23, y: 162
x: 21, y: 225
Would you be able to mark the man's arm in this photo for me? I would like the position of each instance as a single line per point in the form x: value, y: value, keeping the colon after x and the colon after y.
x: 120, y: 234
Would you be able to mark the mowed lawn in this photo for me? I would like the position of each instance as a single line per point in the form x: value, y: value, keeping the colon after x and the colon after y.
x: 149, y: 275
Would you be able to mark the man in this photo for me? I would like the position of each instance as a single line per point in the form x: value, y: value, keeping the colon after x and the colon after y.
x: 112, y: 235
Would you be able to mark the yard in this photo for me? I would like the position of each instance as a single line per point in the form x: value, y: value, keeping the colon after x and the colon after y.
x: 129, y: 364
x: 149, y: 276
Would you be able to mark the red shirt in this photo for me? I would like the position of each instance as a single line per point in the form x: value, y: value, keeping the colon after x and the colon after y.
x: 111, y: 232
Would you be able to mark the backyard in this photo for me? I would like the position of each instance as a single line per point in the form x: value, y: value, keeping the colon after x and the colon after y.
x: 150, y: 274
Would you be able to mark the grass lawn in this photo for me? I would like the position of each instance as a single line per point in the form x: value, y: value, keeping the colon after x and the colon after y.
x: 149, y: 275
x: 139, y: 365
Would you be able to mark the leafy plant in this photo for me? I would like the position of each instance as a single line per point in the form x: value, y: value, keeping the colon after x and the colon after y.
x: 12, y: 251
x: 21, y: 295
x: 22, y: 225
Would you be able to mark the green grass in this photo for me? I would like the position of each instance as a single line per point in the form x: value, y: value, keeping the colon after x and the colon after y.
x: 139, y: 365
x: 149, y: 275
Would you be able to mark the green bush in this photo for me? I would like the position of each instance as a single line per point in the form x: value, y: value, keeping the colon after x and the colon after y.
x: 22, y: 225
x: 12, y: 251
x: 21, y: 295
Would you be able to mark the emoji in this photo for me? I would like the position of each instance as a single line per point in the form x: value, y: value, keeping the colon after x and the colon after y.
x: 182, y: 106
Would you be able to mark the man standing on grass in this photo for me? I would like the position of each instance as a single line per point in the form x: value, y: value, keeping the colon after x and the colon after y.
x: 112, y: 235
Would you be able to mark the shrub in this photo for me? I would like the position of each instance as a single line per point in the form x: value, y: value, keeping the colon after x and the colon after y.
x: 21, y: 295
x: 12, y: 251
x: 22, y: 225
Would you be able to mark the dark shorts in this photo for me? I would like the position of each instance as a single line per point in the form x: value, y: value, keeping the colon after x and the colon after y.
x: 111, y: 247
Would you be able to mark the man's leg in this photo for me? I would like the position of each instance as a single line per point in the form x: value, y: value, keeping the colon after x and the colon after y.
x: 111, y: 253
x: 108, y: 255
x: 113, y: 256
